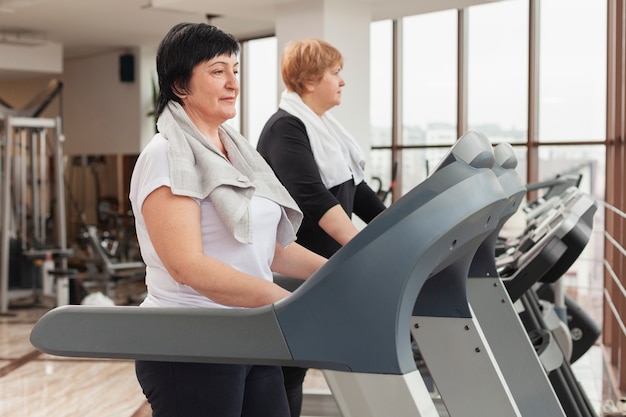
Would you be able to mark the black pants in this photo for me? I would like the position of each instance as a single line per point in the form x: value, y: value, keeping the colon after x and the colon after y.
x: 176, y: 389
x: 294, y: 377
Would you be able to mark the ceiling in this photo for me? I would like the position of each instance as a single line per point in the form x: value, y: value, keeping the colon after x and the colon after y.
x: 86, y: 27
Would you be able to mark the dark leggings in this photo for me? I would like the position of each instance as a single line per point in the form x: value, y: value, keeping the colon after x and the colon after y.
x: 294, y: 377
x: 176, y: 389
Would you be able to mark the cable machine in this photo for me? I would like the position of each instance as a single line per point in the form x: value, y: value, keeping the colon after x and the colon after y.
x: 32, y: 212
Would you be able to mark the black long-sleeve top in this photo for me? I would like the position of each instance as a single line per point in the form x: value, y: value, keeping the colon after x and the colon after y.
x: 285, y: 145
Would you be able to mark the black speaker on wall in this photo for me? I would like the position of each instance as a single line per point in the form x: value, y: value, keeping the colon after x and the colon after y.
x: 127, y: 68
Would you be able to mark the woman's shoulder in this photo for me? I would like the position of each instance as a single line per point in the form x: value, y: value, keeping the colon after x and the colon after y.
x: 157, y: 144
x: 155, y: 153
x: 156, y: 148
x: 151, y: 169
x: 283, y: 124
x: 284, y: 118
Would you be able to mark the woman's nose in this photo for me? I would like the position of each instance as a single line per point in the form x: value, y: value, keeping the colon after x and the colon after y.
x: 233, y: 82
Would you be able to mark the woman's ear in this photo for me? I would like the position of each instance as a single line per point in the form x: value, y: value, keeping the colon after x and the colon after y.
x: 309, y: 87
x: 179, y: 91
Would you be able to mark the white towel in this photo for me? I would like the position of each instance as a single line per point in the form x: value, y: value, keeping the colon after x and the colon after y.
x: 338, y: 156
x: 198, y: 169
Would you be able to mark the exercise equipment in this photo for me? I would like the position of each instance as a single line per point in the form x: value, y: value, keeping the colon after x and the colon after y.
x: 497, y: 315
x: 114, y: 271
x: 583, y: 331
x: 514, y: 347
x: 434, y: 324
x: 380, y: 192
x: 558, y: 228
x: 352, y: 317
x: 106, y: 252
x: 31, y: 149
x: 37, y: 105
x: 405, y: 274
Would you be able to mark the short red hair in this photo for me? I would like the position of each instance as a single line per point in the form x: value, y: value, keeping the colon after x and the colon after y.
x: 306, y: 61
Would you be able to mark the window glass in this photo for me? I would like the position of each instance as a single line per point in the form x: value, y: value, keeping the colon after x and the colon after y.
x: 572, y: 70
x: 587, y: 161
x: 381, y: 77
x: 417, y: 164
x: 261, y: 86
x: 498, y: 70
x: 381, y: 173
x: 429, y: 78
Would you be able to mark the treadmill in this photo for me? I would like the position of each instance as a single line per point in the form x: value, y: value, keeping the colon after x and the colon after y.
x: 353, y: 317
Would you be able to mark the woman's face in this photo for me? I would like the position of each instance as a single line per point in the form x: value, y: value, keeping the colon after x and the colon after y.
x: 213, y: 90
x: 328, y: 91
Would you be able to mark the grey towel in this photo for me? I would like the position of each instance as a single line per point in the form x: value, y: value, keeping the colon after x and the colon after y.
x: 198, y: 169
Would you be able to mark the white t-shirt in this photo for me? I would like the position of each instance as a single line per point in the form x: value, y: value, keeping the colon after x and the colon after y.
x: 151, y: 172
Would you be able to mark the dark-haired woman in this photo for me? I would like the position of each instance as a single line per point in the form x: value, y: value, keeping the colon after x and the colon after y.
x: 213, y: 222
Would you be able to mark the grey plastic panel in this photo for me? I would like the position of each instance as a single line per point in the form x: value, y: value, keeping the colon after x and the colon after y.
x: 182, y: 334
x: 512, y: 348
x: 552, y: 245
x: 505, y: 156
x: 501, y: 324
x: 474, y: 149
x: 368, y: 289
x: 483, y: 264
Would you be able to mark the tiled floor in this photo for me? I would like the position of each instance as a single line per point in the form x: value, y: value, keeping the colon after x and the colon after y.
x: 34, y: 384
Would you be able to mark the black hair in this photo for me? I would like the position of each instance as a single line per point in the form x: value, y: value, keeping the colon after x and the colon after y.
x: 183, y: 47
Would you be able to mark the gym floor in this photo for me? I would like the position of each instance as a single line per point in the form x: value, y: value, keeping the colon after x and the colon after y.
x: 33, y: 384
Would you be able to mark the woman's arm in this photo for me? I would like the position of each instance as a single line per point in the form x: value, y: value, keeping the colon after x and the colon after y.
x: 173, y: 223
x: 338, y: 225
x: 295, y: 261
x: 367, y: 204
x: 286, y: 147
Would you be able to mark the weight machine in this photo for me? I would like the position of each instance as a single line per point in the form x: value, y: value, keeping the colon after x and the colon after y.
x: 32, y: 213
